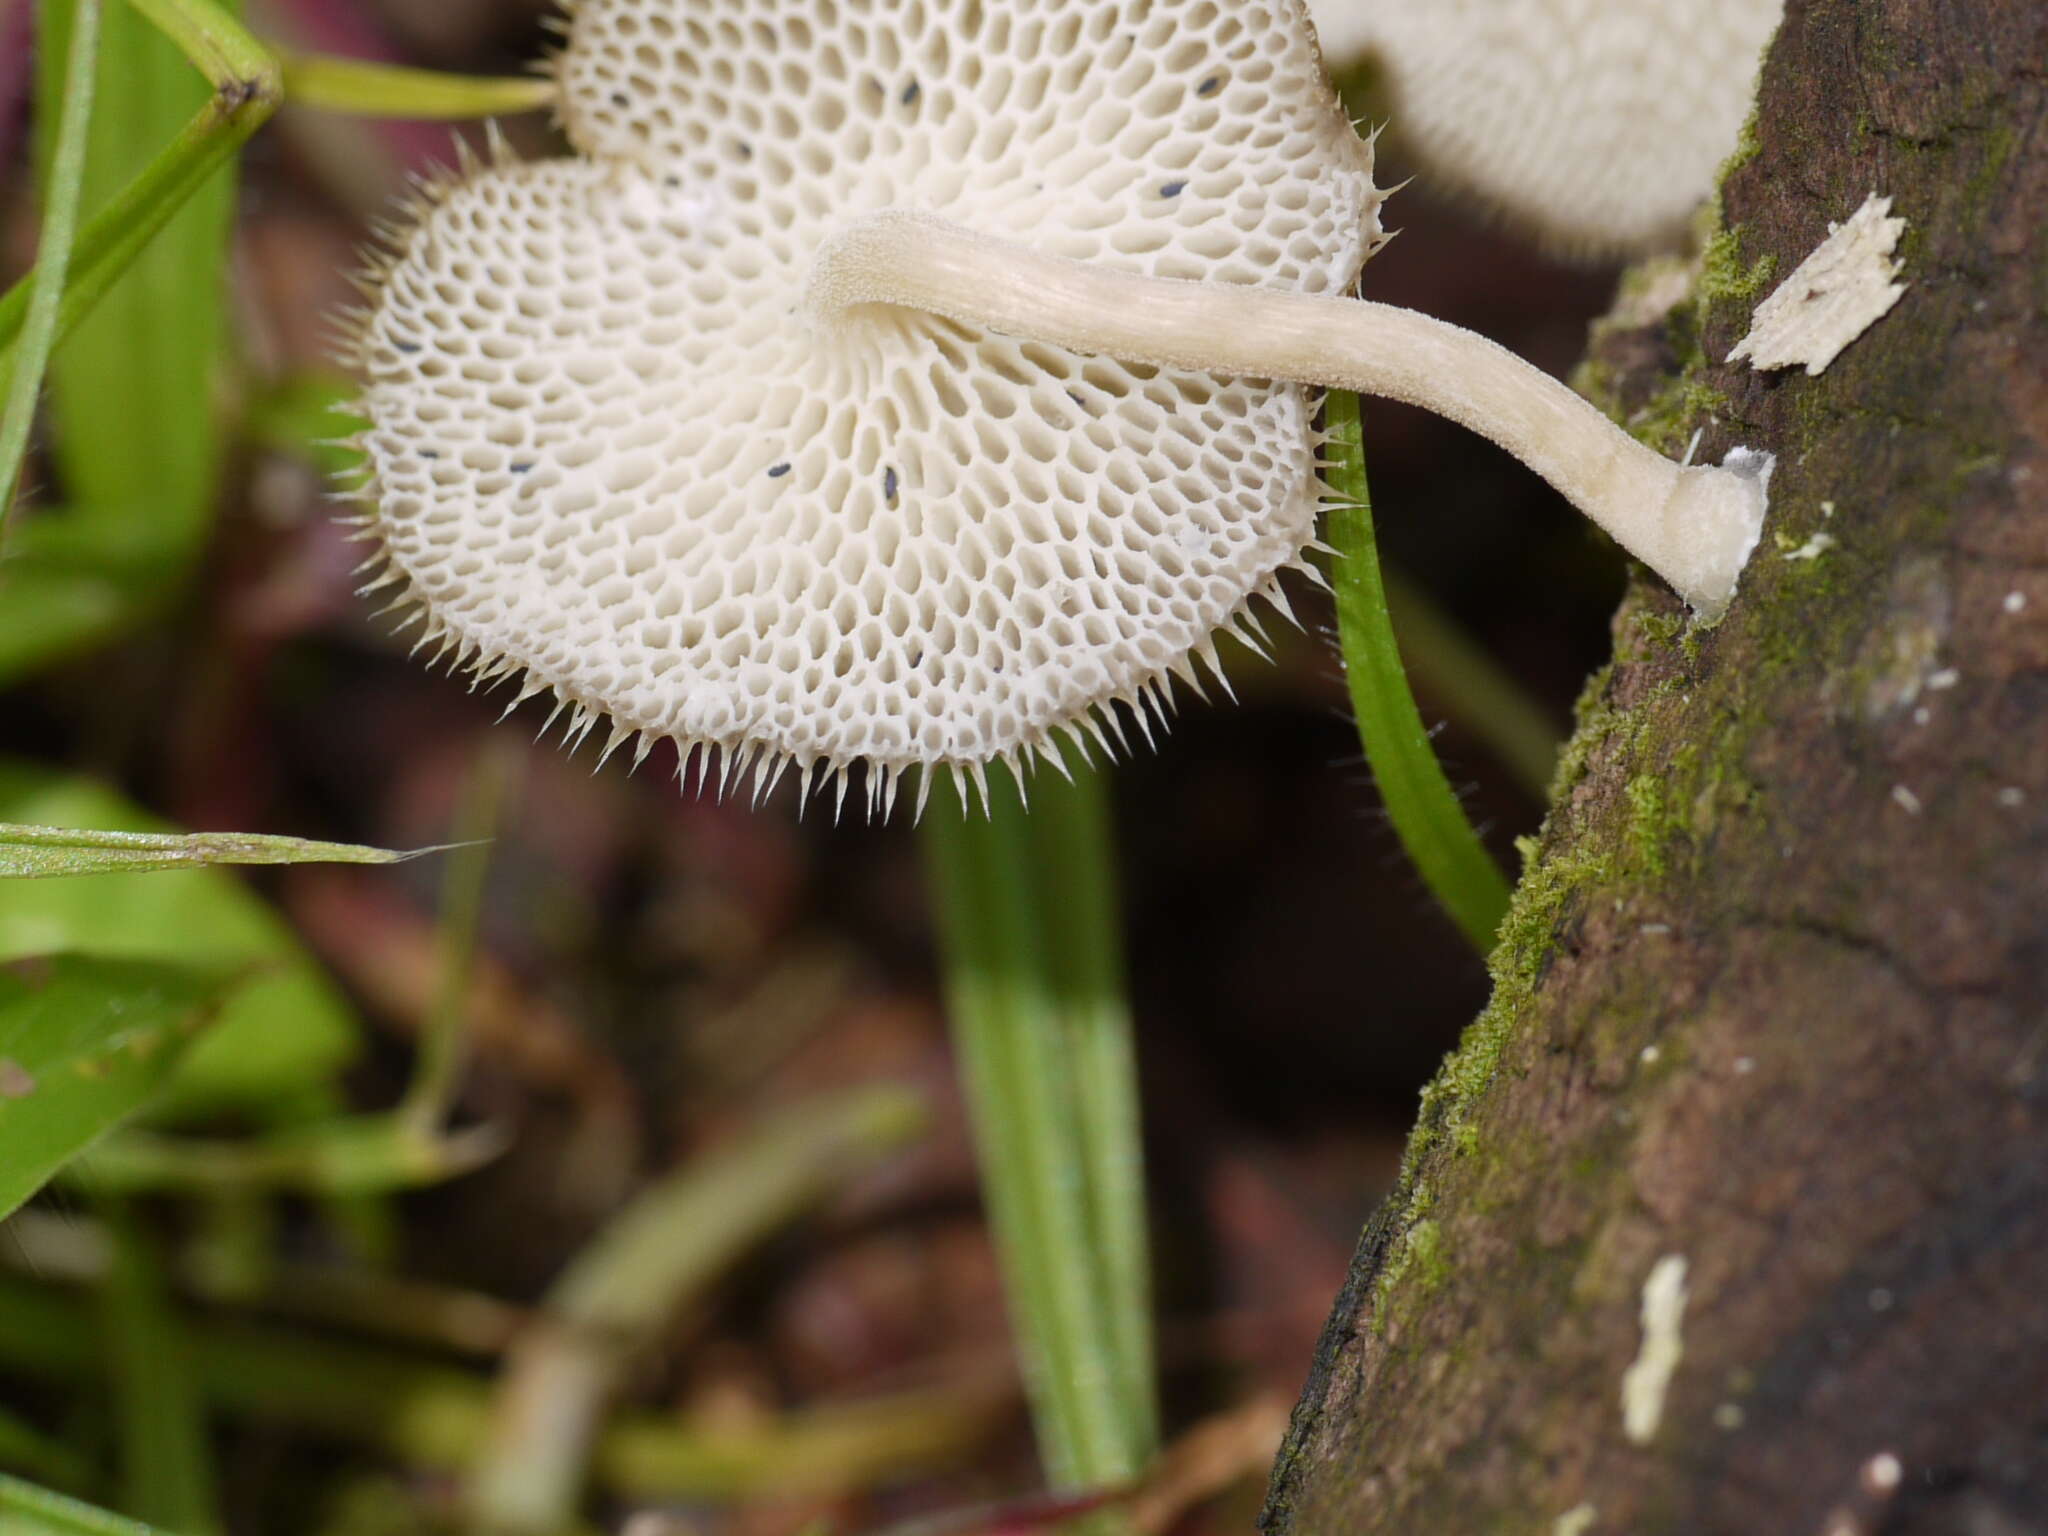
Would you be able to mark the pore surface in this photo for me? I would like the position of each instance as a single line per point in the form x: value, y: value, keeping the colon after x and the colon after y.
x: 610, y: 452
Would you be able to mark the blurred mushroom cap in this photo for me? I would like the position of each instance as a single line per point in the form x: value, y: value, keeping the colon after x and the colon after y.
x: 1596, y: 125
x: 608, y: 453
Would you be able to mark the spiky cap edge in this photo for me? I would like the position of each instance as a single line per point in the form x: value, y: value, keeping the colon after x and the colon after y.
x: 1097, y: 728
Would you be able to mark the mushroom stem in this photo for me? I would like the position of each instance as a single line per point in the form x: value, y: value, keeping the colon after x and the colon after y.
x: 1694, y: 526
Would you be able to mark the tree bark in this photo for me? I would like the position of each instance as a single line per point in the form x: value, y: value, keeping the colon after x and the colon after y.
x: 1773, y: 999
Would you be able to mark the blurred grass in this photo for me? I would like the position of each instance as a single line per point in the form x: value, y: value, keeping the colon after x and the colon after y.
x: 167, y: 1464
x: 26, y: 1510
x: 437, y: 1066
x: 212, y: 1264
x: 1071, y: 843
x: 88, y: 1042
x: 1026, y: 909
x: 328, y: 1154
x: 624, y: 1289
x: 45, y: 1457
x: 435, y: 1417
x: 1472, y: 688
x: 365, y: 89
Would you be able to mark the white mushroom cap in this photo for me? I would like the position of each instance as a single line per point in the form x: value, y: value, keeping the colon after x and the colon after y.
x: 611, y: 452
x: 1597, y: 124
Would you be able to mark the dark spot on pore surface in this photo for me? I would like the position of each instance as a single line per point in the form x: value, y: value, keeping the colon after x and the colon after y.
x: 889, y: 486
x: 1210, y: 86
x: 777, y: 471
x: 621, y: 100
x: 407, y: 347
x: 1173, y: 189
x: 522, y: 467
x: 910, y: 94
x: 429, y: 453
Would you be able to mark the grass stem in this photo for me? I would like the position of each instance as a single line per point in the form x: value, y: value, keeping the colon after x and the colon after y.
x: 1071, y: 847
x: 45, y: 294
x: 1420, y: 802
x: 437, y: 1069
x: 245, y: 95
x: 166, y: 1454
x: 360, y: 88
x: 659, y: 1255
x: 1456, y: 673
x: 1026, y: 917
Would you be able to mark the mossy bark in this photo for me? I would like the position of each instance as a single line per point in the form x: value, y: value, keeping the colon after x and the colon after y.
x: 1773, y: 999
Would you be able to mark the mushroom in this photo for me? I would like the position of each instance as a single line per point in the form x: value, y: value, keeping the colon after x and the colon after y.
x: 906, y: 386
x: 1598, y: 127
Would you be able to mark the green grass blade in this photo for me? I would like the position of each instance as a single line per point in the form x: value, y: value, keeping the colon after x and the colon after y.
x: 26, y: 1510
x: 166, y: 1465
x: 243, y: 91
x: 84, y: 1044
x: 208, y: 34
x: 1473, y: 688
x: 64, y: 191
x: 280, y: 1038
x: 437, y: 1069
x: 133, y: 388
x: 1071, y: 844
x: 42, y: 853
x: 132, y: 409
x: 115, y: 238
x: 1014, y: 1037
x: 365, y: 89
x: 1423, y: 808
x: 678, y: 1234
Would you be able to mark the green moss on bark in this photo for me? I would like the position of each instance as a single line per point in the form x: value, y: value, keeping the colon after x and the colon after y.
x: 1725, y: 825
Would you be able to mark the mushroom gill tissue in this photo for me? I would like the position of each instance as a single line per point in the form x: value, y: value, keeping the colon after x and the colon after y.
x: 621, y: 449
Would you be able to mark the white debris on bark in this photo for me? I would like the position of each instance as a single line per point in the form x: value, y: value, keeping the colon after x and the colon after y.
x: 1648, y: 1377
x: 1846, y: 286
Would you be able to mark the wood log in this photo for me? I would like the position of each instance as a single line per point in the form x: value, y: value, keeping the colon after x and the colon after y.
x: 1767, y: 1058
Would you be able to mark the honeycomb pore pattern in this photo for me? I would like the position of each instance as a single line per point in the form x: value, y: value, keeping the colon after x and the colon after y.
x: 609, y: 454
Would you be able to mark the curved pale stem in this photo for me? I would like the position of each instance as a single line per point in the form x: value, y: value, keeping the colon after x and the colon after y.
x: 1695, y: 527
